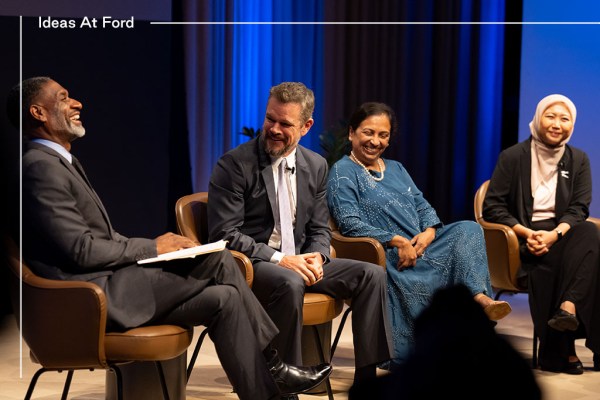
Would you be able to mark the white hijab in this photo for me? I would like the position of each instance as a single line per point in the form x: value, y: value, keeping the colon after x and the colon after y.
x: 545, y: 159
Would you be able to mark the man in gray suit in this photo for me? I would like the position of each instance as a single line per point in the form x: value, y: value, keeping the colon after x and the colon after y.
x: 243, y: 209
x: 67, y: 235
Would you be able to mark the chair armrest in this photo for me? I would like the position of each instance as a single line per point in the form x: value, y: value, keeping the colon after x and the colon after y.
x: 64, y: 322
x: 245, y: 265
x: 595, y: 221
x: 504, y: 260
x: 358, y: 248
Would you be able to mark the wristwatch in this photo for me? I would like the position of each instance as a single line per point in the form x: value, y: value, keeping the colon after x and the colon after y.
x: 559, y: 234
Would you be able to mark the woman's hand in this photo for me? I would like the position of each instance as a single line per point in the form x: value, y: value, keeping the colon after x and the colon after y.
x: 536, y: 247
x: 406, y: 252
x: 540, y: 242
x: 421, y: 241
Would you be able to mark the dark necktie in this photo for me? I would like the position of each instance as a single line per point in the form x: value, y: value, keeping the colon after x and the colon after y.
x: 79, y: 169
x: 75, y: 162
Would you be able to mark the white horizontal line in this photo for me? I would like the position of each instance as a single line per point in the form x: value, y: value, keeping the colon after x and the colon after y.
x: 370, y: 23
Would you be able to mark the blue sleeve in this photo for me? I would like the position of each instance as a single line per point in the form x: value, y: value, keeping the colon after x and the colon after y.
x: 427, y: 215
x: 343, y: 199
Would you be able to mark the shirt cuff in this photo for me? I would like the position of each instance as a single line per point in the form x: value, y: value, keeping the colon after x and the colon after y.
x: 277, y: 257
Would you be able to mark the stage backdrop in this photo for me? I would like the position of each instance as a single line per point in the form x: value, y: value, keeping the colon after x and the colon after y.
x: 564, y: 59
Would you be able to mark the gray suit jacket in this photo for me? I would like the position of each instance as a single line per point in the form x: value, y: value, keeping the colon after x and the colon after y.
x: 242, y: 201
x: 67, y: 235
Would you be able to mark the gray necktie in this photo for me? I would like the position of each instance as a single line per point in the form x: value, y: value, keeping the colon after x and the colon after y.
x: 285, y: 211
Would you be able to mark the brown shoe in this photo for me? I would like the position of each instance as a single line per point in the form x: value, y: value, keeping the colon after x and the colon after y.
x: 497, y: 310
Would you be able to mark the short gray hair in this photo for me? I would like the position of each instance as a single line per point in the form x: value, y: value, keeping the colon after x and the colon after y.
x: 295, y: 92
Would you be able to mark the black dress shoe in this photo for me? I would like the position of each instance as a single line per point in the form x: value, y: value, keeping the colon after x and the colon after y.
x: 292, y: 380
x: 290, y: 397
x: 571, y: 368
x: 574, y: 368
x: 564, y: 321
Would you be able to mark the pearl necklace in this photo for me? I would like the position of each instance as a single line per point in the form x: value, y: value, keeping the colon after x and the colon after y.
x: 353, y: 158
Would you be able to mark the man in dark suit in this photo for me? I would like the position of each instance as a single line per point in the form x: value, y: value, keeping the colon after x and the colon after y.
x: 67, y: 235
x: 244, y: 210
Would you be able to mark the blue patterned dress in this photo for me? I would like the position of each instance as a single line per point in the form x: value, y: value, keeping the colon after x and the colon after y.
x: 395, y: 206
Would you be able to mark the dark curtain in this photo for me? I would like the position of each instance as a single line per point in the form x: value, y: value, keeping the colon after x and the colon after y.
x: 444, y: 81
x: 10, y: 159
x: 447, y: 82
x: 180, y: 179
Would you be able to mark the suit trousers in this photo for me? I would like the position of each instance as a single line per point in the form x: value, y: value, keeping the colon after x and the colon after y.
x: 281, y: 291
x: 237, y: 323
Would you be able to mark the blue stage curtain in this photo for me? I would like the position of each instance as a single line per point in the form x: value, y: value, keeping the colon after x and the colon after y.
x: 444, y: 81
x: 230, y: 69
x: 477, y: 135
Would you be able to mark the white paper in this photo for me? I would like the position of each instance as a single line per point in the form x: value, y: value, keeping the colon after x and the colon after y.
x: 187, y: 253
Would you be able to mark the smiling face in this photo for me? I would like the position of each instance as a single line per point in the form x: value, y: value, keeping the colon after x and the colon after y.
x: 283, y: 127
x: 556, y: 125
x: 370, y: 138
x: 58, y: 114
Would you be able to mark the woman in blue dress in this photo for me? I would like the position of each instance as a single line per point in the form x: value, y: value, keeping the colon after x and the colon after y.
x: 375, y: 197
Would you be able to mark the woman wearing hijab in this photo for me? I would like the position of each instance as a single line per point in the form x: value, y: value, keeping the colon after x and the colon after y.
x: 542, y: 188
x: 376, y: 197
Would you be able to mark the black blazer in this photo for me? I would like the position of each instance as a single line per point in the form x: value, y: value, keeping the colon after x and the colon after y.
x: 509, y: 200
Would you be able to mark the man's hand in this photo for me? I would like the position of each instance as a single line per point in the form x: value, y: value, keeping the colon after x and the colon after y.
x: 171, y: 242
x: 309, y: 266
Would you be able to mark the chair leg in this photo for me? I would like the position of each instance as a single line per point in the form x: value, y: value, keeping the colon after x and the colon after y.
x: 339, y: 331
x: 119, y: 378
x: 67, y: 385
x: 33, y: 382
x: 322, y: 359
x: 163, y: 382
x: 534, y: 359
x: 500, y: 292
x: 195, y: 353
x: 37, y: 375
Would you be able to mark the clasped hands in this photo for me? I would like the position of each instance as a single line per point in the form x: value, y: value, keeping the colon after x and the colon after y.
x: 410, y: 250
x: 539, y: 242
x: 309, y: 266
